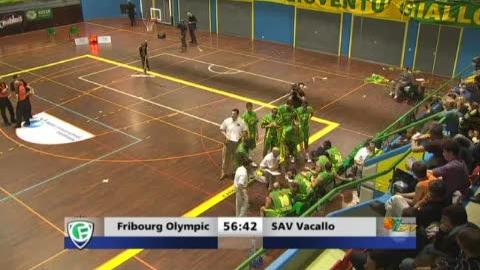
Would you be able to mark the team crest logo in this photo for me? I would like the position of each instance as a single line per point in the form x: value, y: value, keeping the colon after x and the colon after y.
x: 80, y: 232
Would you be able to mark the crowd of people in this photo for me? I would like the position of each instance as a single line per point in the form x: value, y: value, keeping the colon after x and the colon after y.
x: 444, y: 181
x: 19, y: 93
x: 289, y: 184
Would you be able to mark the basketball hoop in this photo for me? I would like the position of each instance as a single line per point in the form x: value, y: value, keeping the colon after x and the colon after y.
x: 150, y: 25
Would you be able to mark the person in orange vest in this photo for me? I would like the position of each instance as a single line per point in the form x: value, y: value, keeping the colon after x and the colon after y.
x: 6, y: 104
x: 22, y: 91
x: 29, y: 104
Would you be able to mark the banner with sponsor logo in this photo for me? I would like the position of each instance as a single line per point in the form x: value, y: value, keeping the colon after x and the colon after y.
x: 11, y: 23
x: 454, y: 12
x: 49, y: 130
x: 39, y: 14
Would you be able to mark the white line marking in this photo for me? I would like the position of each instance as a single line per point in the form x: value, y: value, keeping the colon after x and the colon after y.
x: 271, y: 102
x: 239, y: 71
x: 227, y: 72
x: 67, y: 172
x: 151, y: 102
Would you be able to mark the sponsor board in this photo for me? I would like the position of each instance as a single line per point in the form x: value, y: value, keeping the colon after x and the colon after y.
x: 49, y: 130
x: 39, y: 14
x: 11, y: 20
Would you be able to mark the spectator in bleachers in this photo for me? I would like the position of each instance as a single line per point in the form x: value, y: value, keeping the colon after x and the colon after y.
x: 466, y: 150
x: 432, y: 143
x: 444, y: 245
x: 397, y: 203
x: 455, y: 173
x: 452, y: 116
x: 468, y: 240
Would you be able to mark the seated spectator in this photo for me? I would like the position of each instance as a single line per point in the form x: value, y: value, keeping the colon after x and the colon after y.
x: 462, y: 91
x: 468, y: 239
x: 403, y: 138
x: 398, y: 86
x: 471, y: 119
x: 278, y: 202
x: 432, y: 143
x: 429, y: 209
x: 452, y: 116
x: 397, y: 203
x: 455, y: 173
x: 453, y: 220
x: 466, y: 150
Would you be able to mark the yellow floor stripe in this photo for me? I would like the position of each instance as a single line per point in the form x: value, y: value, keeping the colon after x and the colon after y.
x: 44, y: 66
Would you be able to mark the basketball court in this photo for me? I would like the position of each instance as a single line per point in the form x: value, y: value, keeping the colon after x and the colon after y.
x: 136, y: 145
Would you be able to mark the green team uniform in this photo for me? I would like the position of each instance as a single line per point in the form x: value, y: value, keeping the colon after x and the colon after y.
x: 271, y: 133
x: 242, y: 152
x: 288, y: 136
x: 281, y: 203
x: 335, y: 157
x: 305, y: 186
x: 304, y: 115
x: 328, y: 179
x: 322, y: 160
x: 251, y: 120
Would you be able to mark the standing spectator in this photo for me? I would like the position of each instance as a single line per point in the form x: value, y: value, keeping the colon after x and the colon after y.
x: 6, y: 104
x: 455, y: 173
x: 131, y: 12
x: 232, y: 128
x: 240, y: 183
x: 192, y: 27
x: 183, y: 34
x: 143, y: 51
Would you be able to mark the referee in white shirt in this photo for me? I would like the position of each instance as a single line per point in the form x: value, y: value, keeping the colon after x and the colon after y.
x: 240, y: 182
x: 232, y: 128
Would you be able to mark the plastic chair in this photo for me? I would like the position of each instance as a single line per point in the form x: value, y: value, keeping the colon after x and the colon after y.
x: 73, y: 31
x: 51, y: 32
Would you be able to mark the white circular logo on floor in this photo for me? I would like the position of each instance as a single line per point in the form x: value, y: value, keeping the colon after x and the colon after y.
x: 47, y: 129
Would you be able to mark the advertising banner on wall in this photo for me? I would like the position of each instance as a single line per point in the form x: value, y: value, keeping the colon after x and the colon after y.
x: 11, y: 23
x: 454, y: 12
x: 38, y: 14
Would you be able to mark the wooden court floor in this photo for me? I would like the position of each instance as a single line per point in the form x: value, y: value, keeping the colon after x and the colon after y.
x: 157, y: 145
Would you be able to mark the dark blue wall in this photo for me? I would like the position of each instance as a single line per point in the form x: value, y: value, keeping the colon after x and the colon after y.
x: 469, y: 48
x: 274, y: 22
x: 93, y: 9
x: 213, y: 15
x: 346, y: 29
x: 410, y: 44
